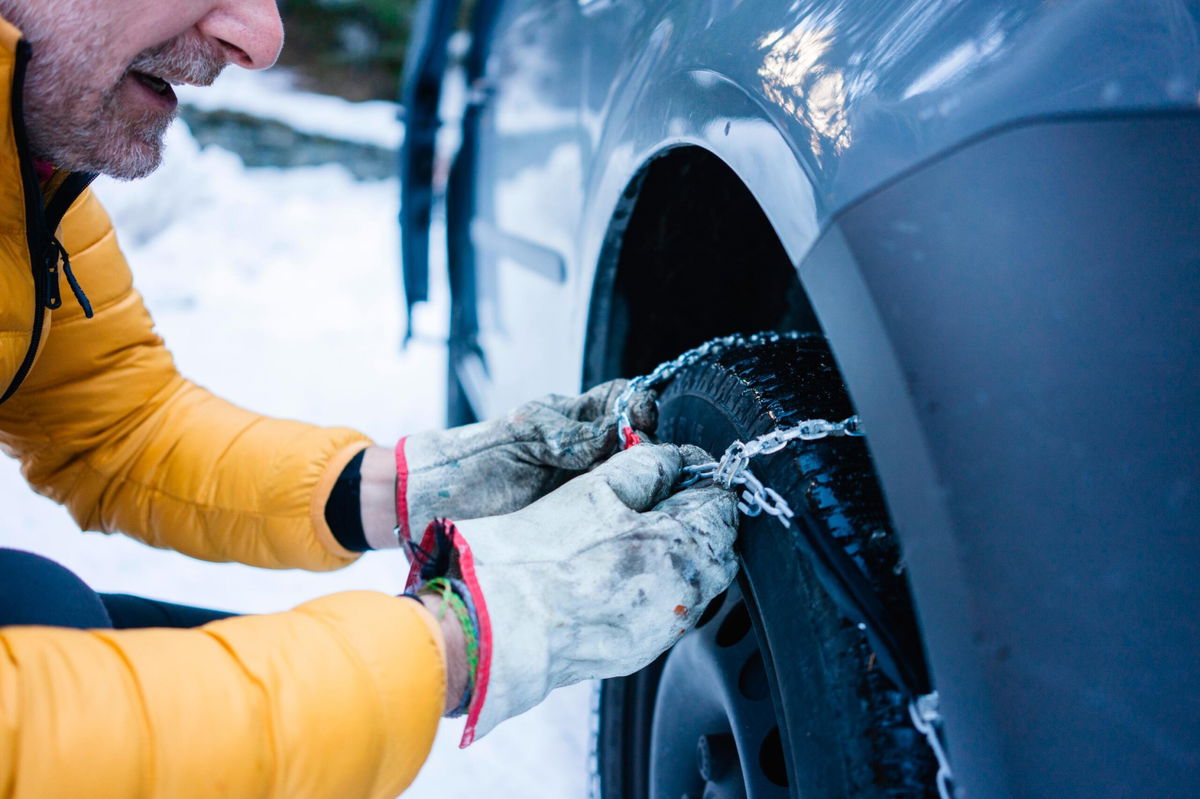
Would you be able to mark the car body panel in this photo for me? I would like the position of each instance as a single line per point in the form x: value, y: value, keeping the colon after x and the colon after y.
x: 813, y: 104
x: 1024, y: 385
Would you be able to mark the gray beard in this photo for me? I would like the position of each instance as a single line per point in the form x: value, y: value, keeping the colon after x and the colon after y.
x: 75, y: 119
x: 92, y: 135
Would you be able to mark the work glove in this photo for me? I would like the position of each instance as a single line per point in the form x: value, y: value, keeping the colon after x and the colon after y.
x: 595, y: 580
x: 500, y: 466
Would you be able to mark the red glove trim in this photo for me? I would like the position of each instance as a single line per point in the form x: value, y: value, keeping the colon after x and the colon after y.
x: 632, y: 439
x: 465, y: 562
x: 402, y: 493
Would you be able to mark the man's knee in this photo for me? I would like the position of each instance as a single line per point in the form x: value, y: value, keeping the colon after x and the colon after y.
x: 132, y: 612
x: 36, y: 590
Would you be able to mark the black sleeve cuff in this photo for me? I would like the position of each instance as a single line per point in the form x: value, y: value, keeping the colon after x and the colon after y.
x: 343, y: 510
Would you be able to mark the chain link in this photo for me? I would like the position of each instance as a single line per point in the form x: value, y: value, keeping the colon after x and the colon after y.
x: 927, y: 718
x: 732, y: 470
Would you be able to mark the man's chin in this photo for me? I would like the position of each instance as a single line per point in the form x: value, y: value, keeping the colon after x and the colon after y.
x: 122, y: 155
x: 138, y: 162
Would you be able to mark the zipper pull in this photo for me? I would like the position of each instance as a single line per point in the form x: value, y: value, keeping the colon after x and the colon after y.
x: 53, y: 297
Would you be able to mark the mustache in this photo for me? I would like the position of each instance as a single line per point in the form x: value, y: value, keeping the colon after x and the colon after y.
x: 185, y: 59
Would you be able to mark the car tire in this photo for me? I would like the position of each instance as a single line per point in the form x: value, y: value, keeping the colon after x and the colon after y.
x: 776, y: 693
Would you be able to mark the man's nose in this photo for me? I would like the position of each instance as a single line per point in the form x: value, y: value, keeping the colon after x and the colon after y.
x: 250, y: 31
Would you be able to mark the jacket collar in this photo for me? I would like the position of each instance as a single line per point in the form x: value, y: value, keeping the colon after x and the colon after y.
x: 14, y: 163
x: 12, y: 194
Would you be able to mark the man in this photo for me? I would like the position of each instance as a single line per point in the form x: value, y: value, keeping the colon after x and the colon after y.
x: 562, y: 563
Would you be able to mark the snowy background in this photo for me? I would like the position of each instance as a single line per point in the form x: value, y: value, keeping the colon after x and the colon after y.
x: 279, y: 289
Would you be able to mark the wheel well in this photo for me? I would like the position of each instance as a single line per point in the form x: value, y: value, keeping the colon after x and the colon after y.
x: 690, y: 256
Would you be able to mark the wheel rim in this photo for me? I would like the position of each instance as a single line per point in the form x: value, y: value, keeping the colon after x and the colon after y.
x: 715, y: 733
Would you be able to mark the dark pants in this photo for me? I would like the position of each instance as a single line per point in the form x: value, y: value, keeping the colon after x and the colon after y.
x: 36, y: 590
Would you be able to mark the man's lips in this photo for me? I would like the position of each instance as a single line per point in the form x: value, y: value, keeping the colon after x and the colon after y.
x: 157, y: 85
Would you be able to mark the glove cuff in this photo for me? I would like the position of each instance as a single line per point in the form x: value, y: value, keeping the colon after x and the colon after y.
x: 443, y: 552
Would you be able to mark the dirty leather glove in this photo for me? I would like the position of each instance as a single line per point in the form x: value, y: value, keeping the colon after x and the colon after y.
x: 500, y: 466
x: 595, y: 580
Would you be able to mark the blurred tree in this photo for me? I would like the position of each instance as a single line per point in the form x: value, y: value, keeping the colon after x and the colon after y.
x: 353, y: 48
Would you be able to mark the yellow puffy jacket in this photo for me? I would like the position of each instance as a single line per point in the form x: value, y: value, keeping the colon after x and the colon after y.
x: 339, y: 697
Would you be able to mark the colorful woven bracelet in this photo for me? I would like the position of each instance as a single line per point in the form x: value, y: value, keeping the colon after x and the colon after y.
x: 457, y: 598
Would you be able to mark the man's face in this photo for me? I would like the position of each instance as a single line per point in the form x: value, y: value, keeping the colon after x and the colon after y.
x: 98, y: 94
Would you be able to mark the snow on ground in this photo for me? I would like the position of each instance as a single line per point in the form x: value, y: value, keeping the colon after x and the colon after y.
x: 278, y: 289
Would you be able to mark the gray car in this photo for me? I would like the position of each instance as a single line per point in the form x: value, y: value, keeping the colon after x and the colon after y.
x: 982, y: 220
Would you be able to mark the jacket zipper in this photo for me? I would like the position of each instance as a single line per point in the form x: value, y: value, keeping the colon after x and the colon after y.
x: 40, y: 223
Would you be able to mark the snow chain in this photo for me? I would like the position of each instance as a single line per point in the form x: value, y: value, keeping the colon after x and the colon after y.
x: 927, y: 718
x: 733, y: 469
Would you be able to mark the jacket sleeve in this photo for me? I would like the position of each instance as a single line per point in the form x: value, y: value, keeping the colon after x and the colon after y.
x: 338, y: 698
x: 105, y: 425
